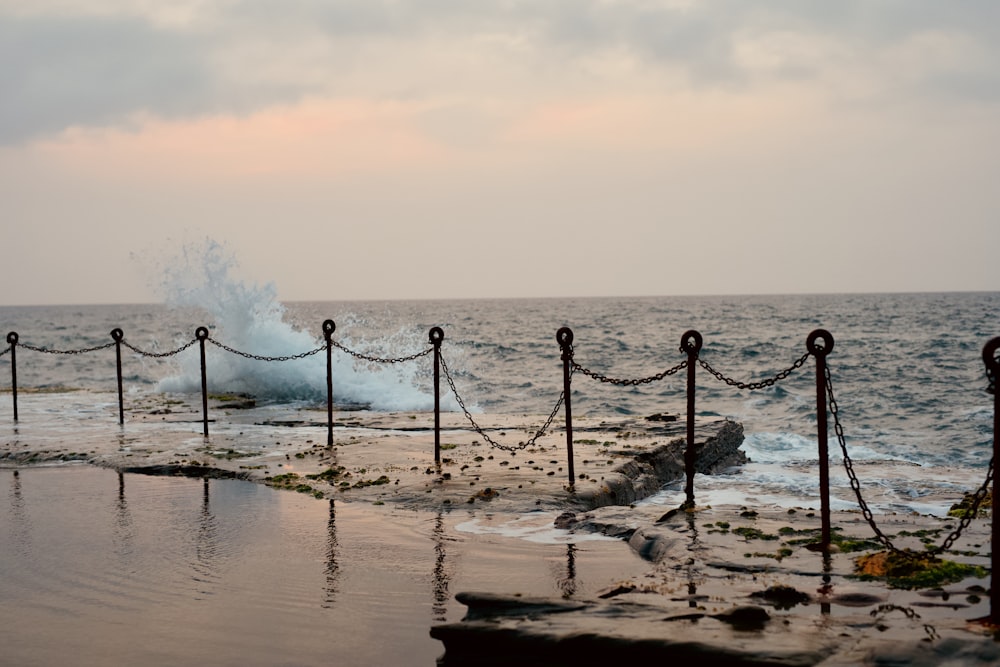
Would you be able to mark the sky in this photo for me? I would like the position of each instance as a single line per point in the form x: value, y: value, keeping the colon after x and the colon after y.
x: 395, y: 149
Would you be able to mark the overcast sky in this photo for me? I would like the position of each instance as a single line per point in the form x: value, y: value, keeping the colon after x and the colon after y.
x: 501, y: 148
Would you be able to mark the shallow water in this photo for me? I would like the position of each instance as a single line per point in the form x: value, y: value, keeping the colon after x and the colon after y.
x: 104, y: 569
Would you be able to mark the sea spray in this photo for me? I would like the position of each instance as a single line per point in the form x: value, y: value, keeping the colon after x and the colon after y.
x: 249, y: 318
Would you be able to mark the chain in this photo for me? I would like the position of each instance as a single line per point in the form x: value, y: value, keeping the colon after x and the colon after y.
x: 380, y: 360
x: 964, y: 522
x: 627, y: 383
x: 5, y: 351
x: 159, y: 355
x: 485, y: 436
x: 755, y: 385
x: 80, y: 351
x: 258, y: 357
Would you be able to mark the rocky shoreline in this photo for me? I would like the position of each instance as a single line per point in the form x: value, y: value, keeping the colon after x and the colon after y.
x: 733, y: 585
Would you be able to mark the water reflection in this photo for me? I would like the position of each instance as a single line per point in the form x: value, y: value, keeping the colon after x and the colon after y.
x: 567, y: 584
x: 332, y: 570
x: 19, y: 528
x: 206, y: 546
x: 439, y: 607
x: 124, y: 528
x: 693, y: 547
x: 827, y: 588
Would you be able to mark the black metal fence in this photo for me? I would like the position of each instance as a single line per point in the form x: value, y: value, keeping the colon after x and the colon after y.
x: 819, y: 344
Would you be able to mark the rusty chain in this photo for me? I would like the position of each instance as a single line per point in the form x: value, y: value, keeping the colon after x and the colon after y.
x: 158, y: 355
x: 755, y: 385
x: 80, y: 351
x: 258, y: 357
x: 482, y: 433
x: 626, y: 382
x: 380, y: 360
x: 964, y: 522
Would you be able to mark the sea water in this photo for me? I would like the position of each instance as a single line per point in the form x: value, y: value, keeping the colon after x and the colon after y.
x: 906, y: 370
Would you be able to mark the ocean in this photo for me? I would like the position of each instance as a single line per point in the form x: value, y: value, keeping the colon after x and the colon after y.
x: 906, y: 369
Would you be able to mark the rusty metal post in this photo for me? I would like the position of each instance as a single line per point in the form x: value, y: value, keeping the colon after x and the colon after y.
x: 117, y: 334
x: 691, y: 344
x: 565, y: 338
x: 436, y: 335
x: 993, y: 371
x: 12, y: 341
x: 201, y: 333
x: 329, y: 326
x: 820, y: 352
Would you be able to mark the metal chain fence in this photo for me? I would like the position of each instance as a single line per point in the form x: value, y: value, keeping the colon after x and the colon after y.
x: 970, y: 513
x: 626, y: 382
x: 769, y: 382
x: 158, y: 355
x: 380, y: 360
x: 84, y: 350
x: 482, y: 433
x: 258, y: 357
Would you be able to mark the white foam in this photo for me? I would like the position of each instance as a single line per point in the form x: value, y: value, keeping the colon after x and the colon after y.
x: 536, y: 527
x: 248, y: 318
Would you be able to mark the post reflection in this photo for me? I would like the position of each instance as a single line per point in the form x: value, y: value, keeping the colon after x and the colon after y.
x: 694, y: 545
x: 124, y: 529
x: 827, y: 588
x: 568, y: 584
x: 442, y: 579
x: 20, y: 533
x: 206, y: 543
x: 332, y: 570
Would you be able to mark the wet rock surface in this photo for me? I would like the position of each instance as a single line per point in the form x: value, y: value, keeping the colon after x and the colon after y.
x: 732, y: 587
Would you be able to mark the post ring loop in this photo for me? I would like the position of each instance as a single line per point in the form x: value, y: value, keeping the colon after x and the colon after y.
x: 816, y: 350
x: 436, y: 335
x: 564, y: 336
x: 989, y: 356
x: 12, y: 338
x: 201, y: 333
x: 117, y: 334
x: 329, y: 326
x: 691, y: 342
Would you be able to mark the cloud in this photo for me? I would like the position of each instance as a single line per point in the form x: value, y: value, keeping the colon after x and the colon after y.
x: 63, y: 67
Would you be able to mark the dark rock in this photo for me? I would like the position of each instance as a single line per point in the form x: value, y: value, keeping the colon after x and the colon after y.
x: 744, y: 618
x: 566, y: 520
x: 649, y: 471
x: 650, y: 545
x: 782, y: 597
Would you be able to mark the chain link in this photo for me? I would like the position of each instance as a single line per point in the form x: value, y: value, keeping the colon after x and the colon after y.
x: 80, y: 351
x: 381, y: 360
x: 970, y: 513
x: 159, y: 355
x: 626, y: 382
x: 482, y: 433
x: 5, y: 351
x: 755, y: 385
x: 258, y: 357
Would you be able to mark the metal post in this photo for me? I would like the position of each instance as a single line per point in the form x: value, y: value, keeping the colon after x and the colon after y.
x: 12, y: 340
x: 565, y: 338
x: 820, y: 353
x: 118, y: 335
x: 329, y: 326
x: 690, y: 343
x: 201, y: 333
x: 436, y: 336
x: 993, y: 371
